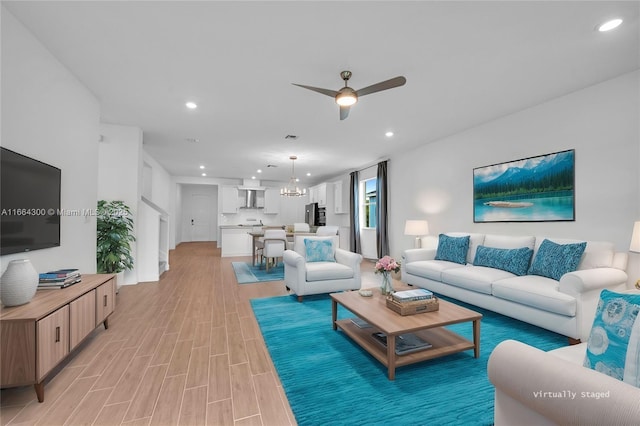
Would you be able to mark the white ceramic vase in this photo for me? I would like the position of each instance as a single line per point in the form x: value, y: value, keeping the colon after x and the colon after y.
x: 19, y: 283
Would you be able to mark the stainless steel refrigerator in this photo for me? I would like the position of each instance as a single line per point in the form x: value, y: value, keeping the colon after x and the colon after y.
x: 311, y: 214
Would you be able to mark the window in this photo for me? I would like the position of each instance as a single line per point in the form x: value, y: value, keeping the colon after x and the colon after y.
x: 369, y: 208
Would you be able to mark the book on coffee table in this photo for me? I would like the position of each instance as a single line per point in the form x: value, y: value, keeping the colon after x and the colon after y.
x: 360, y: 322
x: 405, y: 343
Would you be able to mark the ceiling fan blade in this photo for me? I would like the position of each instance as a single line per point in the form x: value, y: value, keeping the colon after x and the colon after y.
x: 383, y: 85
x: 327, y: 92
x: 344, y: 112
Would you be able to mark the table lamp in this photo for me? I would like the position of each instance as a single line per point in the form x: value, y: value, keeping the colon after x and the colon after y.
x: 418, y: 228
x: 635, y: 244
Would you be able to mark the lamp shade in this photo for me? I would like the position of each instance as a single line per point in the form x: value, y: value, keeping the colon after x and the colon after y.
x: 635, y: 238
x: 416, y: 227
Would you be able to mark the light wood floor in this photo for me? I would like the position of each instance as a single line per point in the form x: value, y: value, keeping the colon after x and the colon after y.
x: 184, y: 350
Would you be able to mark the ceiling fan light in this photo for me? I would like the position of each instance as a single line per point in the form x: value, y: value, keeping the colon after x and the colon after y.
x: 346, y: 97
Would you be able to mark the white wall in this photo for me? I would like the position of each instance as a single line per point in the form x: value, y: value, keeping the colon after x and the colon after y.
x: 119, y: 175
x: 434, y: 181
x: 47, y: 114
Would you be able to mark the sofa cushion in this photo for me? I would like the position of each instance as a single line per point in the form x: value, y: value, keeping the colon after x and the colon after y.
x: 613, y: 347
x: 537, y: 292
x: 554, y: 260
x: 300, y: 247
x: 474, y: 278
x: 597, y: 254
x: 475, y: 240
x: 323, y: 271
x: 452, y: 249
x: 431, y: 269
x: 319, y: 250
x: 515, y: 260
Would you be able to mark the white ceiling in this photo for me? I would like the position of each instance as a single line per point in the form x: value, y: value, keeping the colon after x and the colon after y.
x: 466, y: 63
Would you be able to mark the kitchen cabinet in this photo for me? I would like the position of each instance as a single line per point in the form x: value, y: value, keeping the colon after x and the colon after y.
x: 318, y: 194
x: 339, y: 205
x: 36, y: 337
x: 229, y: 199
x: 271, y: 201
x: 236, y: 242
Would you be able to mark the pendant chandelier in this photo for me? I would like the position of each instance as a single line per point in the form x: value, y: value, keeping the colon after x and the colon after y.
x: 292, y: 189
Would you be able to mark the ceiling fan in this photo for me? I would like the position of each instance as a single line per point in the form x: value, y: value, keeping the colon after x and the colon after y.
x: 346, y: 96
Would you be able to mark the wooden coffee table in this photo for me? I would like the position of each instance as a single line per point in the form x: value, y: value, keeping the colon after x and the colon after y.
x: 429, y: 326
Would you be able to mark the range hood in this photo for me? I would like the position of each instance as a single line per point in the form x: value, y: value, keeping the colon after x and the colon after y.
x: 251, y: 184
x: 251, y: 199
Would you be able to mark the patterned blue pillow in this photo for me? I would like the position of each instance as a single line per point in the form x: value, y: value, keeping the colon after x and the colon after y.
x: 554, y: 260
x: 319, y: 250
x: 515, y: 261
x: 613, y: 347
x: 453, y: 249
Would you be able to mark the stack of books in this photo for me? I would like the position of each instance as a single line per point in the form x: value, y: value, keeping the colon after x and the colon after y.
x: 59, y: 279
x: 412, y: 295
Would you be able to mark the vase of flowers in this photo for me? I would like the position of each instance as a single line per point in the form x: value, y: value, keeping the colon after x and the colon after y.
x: 385, y: 266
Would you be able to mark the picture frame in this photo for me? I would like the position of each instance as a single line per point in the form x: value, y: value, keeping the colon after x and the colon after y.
x: 533, y: 189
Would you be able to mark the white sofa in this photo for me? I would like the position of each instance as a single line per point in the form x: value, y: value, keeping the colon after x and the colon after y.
x: 306, y: 278
x: 566, y: 306
x: 533, y: 387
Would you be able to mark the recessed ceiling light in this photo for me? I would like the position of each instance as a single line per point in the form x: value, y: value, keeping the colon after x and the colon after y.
x: 610, y: 25
x: 389, y: 134
x: 253, y: 177
x: 308, y: 174
x: 202, y: 167
x: 259, y: 171
x: 204, y: 174
x: 297, y: 179
x: 191, y: 105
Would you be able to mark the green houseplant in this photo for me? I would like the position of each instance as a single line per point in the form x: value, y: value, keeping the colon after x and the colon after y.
x: 115, y: 235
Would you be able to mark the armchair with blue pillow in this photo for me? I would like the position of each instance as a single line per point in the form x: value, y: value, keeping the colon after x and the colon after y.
x: 318, y: 265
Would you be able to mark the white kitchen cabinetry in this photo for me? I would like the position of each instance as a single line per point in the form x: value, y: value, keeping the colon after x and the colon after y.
x: 318, y: 194
x: 236, y: 242
x: 339, y: 204
x: 271, y: 201
x: 229, y: 199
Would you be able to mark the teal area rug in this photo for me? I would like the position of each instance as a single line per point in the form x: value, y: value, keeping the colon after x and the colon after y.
x: 246, y: 273
x: 329, y: 380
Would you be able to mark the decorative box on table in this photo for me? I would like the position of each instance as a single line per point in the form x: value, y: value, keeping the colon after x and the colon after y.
x: 413, y: 307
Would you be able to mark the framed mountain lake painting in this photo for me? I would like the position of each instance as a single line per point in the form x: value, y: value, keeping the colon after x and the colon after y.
x: 535, y: 189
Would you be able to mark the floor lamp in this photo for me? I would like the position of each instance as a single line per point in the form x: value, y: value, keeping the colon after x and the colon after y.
x: 417, y: 228
x: 635, y: 244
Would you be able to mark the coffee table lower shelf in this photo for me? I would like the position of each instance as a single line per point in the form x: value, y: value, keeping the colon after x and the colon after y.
x: 443, y: 341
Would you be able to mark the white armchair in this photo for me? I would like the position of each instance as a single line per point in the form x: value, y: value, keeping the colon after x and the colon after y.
x: 325, y: 276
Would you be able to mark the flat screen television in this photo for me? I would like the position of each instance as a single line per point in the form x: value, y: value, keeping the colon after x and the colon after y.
x: 29, y: 202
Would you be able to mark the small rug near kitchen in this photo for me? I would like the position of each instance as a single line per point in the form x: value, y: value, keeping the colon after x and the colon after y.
x: 328, y: 379
x: 246, y: 273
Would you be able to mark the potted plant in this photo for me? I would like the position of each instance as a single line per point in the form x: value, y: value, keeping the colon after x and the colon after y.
x: 115, y: 235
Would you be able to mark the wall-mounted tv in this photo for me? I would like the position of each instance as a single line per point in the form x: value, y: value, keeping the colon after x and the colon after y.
x: 29, y: 203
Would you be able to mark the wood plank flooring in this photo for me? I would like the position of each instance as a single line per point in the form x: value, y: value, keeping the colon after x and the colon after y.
x: 185, y: 350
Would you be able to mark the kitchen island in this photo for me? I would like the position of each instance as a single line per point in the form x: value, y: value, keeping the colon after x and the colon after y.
x: 236, y: 240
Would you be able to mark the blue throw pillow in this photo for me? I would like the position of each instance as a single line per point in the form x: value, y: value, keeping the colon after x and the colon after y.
x: 452, y: 249
x: 554, y: 260
x: 515, y: 261
x: 319, y: 250
x: 613, y: 347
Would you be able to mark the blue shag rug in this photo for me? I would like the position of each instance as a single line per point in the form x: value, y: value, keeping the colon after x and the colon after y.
x: 330, y: 380
x: 246, y: 273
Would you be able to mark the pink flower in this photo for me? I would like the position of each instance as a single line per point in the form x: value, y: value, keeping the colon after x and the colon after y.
x: 387, y: 264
